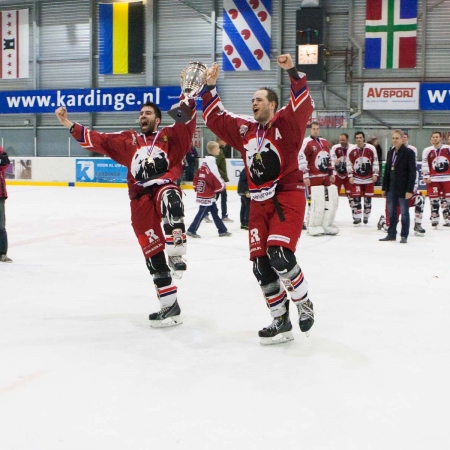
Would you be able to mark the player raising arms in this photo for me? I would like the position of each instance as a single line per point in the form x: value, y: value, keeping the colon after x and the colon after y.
x: 154, y: 161
x: 269, y: 143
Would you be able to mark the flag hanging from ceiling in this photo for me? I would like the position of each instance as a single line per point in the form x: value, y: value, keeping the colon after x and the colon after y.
x: 14, y: 52
x: 246, y: 34
x: 391, y: 33
x: 121, y: 38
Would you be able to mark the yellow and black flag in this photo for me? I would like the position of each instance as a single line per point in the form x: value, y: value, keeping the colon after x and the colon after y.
x: 121, y: 38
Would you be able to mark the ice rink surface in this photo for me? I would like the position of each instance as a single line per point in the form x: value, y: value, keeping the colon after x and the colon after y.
x: 81, y: 368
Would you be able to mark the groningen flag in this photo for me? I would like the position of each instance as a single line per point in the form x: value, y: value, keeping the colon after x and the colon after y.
x: 14, y: 51
x: 121, y: 34
x: 391, y: 32
x: 246, y: 34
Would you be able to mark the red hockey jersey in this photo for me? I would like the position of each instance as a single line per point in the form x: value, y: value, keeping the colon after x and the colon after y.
x: 314, y: 158
x: 207, y: 181
x: 150, y: 160
x: 362, y: 164
x: 270, y: 152
x: 436, y: 163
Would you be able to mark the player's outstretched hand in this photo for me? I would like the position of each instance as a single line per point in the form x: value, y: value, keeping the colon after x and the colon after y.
x: 212, y: 74
x: 285, y: 61
x: 61, y: 114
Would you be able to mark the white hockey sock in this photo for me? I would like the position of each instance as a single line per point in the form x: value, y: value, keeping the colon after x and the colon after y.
x: 167, y: 295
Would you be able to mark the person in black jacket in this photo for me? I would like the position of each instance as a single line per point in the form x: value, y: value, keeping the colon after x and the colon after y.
x: 4, y: 163
x: 244, y: 192
x: 398, y: 185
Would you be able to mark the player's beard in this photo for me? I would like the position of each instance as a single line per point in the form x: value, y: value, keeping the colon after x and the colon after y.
x: 148, y: 126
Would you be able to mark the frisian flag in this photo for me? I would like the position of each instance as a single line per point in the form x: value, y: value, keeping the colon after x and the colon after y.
x: 14, y: 52
x: 391, y: 34
x: 246, y: 34
x: 121, y: 34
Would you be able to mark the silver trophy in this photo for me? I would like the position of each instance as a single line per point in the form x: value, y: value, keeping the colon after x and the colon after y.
x: 192, y: 83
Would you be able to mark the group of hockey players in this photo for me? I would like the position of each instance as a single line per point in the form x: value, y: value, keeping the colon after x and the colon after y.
x: 269, y: 143
x: 278, y: 176
x: 355, y: 167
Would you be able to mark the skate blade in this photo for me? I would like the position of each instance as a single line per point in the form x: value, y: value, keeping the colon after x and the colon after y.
x: 416, y: 233
x: 278, y: 339
x: 169, y: 322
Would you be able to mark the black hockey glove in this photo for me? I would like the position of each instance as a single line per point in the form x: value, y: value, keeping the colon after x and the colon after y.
x: 4, y: 160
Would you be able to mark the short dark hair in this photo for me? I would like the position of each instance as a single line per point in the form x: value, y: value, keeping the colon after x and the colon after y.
x: 314, y: 122
x: 360, y: 132
x: 344, y: 134
x: 436, y: 132
x: 271, y: 95
x: 155, y: 109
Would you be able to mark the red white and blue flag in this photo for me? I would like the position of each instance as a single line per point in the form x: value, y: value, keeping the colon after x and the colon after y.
x: 391, y: 34
x: 14, y: 51
x: 246, y: 34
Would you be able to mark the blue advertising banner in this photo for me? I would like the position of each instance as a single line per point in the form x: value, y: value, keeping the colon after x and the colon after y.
x: 434, y: 96
x: 87, y: 100
x: 100, y: 170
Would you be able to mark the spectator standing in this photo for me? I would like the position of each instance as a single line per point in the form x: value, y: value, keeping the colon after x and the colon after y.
x: 244, y: 193
x: 222, y: 166
x: 207, y: 183
x: 4, y: 163
x: 398, y: 185
x: 191, y: 155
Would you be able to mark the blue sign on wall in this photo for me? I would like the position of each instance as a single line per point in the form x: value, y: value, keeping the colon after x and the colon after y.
x: 100, y: 170
x: 434, y: 96
x: 87, y: 100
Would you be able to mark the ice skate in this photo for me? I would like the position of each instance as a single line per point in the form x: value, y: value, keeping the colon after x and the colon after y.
x: 357, y: 222
x: 279, y: 331
x: 169, y: 316
x: 418, y: 230
x: 177, y: 266
x: 447, y: 224
x: 5, y: 259
x: 381, y: 222
x: 306, y: 316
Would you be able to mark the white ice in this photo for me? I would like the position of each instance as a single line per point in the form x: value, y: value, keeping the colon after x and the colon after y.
x: 80, y: 368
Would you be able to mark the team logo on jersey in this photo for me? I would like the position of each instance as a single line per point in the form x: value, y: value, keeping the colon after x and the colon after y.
x: 340, y: 166
x: 133, y: 139
x: 363, y: 166
x: 146, y: 167
x: 322, y: 161
x: 440, y: 164
x: 254, y: 237
x: 264, y: 165
x: 152, y: 237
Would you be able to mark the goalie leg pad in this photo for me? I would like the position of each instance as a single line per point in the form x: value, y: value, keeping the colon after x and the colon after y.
x: 316, y: 211
x: 331, y: 206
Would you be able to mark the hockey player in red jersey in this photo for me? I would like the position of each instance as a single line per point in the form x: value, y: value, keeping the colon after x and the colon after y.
x: 363, y: 171
x: 436, y: 175
x: 207, y: 183
x: 269, y: 143
x: 338, y: 155
x: 314, y: 159
x: 154, y: 161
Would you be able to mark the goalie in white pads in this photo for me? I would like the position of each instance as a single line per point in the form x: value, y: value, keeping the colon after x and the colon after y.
x: 322, y: 211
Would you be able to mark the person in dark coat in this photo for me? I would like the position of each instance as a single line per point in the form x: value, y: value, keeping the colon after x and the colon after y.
x: 244, y: 193
x: 4, y: 163
x: 398, y: 185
